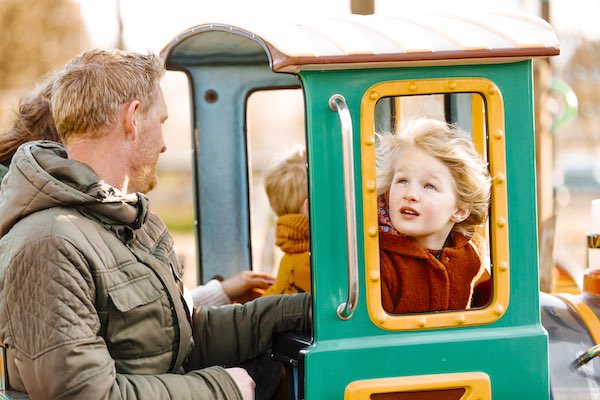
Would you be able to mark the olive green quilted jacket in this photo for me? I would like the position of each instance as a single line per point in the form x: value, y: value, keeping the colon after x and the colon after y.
x: 90, y: 301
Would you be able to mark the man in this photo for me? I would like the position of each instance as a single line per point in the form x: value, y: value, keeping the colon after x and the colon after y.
x: 90, y: 291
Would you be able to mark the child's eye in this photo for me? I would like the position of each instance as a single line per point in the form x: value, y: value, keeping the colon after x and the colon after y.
x: 401, y: 181
x: 429, y: 186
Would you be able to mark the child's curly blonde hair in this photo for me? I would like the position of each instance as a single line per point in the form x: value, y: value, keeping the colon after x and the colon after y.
x: 286, y: 182
x: 452, y: 147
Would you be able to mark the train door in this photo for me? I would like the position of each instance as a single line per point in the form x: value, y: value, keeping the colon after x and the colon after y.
x: 361, y: 351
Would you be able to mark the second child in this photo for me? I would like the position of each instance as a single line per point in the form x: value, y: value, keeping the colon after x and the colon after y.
x: 287, y: 189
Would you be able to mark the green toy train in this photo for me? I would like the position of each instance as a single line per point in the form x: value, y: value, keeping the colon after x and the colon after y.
x: 359, y: 75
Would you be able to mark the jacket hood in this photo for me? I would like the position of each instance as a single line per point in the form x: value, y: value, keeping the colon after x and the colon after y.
x: 41, y: 177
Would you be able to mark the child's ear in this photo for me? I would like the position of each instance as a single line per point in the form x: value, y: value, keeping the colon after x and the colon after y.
x: 304, y: 208
x: 460, y: 215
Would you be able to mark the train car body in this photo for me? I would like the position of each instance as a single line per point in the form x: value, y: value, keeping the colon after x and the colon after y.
x: 360, y: 76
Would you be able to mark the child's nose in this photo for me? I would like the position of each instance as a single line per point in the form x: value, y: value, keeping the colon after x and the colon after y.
x: 411, y: 195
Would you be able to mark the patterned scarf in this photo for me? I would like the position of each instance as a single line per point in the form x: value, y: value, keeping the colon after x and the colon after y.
x: 383, y: 216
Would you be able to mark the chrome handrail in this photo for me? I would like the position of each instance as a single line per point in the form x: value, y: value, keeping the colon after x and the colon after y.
x: 337, y: 103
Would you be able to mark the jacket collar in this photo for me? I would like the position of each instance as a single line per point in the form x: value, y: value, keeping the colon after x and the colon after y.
x: 41, y: 176
x: 408, y: 246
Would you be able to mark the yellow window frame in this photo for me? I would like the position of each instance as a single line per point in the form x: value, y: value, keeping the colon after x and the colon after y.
x: 485, y: 93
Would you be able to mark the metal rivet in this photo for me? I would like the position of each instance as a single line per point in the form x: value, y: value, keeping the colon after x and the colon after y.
x: 501, y: 222
x: 451, y: 85
x: 498, y: 310
x: 412, y: 87
x: 371, y: 186
x: 491, y: 89
x: 421, y: 322
x: 373, y: 96
x: 372, y: 231
x: 499, y: 134
x: 500, y: 178
x: 503, y: 266
x: 370, y: 141
x: 211, y: 96
x: 374, y: 276
x: 461, y: 319
x: 382, y: 318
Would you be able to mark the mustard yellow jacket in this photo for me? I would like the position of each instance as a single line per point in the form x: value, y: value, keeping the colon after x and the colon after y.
x: 291, y: 235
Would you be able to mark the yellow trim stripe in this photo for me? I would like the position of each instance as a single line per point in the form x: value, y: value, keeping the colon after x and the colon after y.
x: 477, y: 385
x: 584, y: 311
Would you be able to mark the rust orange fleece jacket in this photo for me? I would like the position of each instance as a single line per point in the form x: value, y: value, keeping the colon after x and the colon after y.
x: 414, y: 280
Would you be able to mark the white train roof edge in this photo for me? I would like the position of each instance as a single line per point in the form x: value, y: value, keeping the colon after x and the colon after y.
x: 355, y: 41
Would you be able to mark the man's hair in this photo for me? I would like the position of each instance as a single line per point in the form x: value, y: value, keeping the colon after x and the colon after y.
x: 92, y: 87
x: 32, y: 121
x: 452, y: 147
x: 286, y: 182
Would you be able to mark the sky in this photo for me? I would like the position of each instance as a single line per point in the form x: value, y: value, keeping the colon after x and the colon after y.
x: 151, y: 24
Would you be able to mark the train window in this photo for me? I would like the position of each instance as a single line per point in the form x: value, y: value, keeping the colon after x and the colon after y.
x: 275, y: 127
x: 475, y: 106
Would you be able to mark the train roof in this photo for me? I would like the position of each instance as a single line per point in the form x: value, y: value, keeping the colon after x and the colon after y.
x: 355, y: 41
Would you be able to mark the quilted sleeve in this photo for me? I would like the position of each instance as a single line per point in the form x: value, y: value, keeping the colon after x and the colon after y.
x: 50, y: 326
x: 254, y: 324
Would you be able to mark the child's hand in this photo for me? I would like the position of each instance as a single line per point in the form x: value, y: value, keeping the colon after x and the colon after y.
x: 241, y: 287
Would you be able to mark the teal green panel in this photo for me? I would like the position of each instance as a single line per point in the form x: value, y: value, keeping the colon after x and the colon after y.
x: 515, y: 349
x: 332, y: 365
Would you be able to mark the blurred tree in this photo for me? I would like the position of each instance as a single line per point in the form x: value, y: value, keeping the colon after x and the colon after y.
x: 37, y: 36
x: 582, y: 73
x: 363, y: 7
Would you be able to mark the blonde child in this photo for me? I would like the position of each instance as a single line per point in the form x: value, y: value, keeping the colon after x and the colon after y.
x: 434, y: 192
x: 287, y: 189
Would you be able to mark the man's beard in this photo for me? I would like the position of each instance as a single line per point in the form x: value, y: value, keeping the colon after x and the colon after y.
x: 143, y: 179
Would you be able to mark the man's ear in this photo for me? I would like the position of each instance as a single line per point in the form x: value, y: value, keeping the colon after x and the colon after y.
x: 460, y: 215
x: 130, y: 118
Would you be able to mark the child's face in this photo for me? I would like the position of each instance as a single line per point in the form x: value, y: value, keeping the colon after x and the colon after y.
x: 422, y: 198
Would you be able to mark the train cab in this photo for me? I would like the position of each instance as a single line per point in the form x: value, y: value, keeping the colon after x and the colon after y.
x: 359, y: 77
